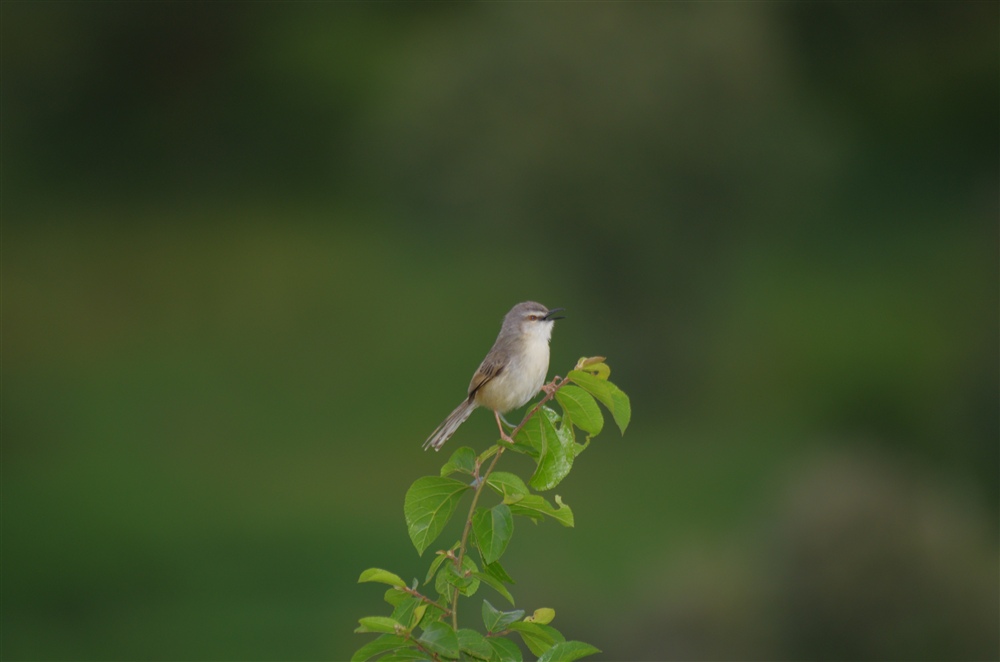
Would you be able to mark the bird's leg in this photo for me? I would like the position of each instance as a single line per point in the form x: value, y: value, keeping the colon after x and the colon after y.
x: 503, y: 435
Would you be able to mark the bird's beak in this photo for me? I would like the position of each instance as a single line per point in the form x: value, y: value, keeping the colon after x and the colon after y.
x: 549, y: 315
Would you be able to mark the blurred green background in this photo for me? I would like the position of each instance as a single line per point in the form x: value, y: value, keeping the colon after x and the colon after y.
x: 252, y: 253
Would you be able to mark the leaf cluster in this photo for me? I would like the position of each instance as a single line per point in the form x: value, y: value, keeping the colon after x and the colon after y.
x: 424, y: 624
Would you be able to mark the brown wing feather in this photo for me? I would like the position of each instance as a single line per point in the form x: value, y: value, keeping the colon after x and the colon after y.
x: 487, y: 370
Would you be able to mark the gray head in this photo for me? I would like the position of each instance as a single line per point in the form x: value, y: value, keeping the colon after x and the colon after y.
x: 531, y: 317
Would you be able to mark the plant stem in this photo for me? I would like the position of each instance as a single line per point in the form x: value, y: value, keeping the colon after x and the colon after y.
x: 465, y: 534
x: 422, y: 649
x: 418, y: 594
x: 556, y: 383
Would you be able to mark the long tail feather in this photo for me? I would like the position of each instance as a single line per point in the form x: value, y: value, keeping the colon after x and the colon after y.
x: 450, y: 424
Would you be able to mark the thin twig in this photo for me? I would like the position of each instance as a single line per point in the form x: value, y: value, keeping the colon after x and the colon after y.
x: 422, y: 649
x: 417, y: 594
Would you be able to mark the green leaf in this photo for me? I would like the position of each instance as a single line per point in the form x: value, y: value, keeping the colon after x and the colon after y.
x: 463, y: 459
x: 405, y: 655
x: 538, y: 638
x: 551, y: 414
x: 536, y: 430
x: 436, y: 563
x: 599, y: 369
x: 493, y: 529
x: 431, y: 614
x: 496, y: 585
x: 404, y: 612
x: 596, y: 387
x: 497, y: 571
x: 446, y: 581
x: 429, y: 504
x: 594, y: 364
x: 505, y: 650
x: 534, y: 506
x: 581, y: 406
x: 496, y: 620
x: 567, y: 651
x: 386, y: 642
x: 610, y: 395
x: 622, y: 410
x: 555, y: 462
x: 394, y: 596
x: 379, y: 624
x: 509, y: 485
x: 449, y: 576
x: 440, y: 638
x: 446, y: 592
x: 532, y: 436
x: 543, y: 615
x: 383, y: 576
x: 567, y: 435
x: 474, y: 644
x: 418, y: 614
x: 564, y: 430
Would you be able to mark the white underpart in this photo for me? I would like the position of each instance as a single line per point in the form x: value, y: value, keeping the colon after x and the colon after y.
x: 523, y: 377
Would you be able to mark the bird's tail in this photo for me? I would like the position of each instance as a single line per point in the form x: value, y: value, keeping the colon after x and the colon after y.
x: 450, y: 424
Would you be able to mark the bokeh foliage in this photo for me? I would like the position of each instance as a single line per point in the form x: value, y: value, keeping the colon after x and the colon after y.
x: 248, y: 246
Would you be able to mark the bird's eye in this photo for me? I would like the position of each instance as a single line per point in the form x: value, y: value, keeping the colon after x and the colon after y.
x: 532, y: 317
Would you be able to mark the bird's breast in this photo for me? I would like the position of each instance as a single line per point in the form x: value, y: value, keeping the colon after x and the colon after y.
x: 520, y: 379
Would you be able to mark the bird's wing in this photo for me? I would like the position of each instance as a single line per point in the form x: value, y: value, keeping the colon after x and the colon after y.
x: 488, y: 369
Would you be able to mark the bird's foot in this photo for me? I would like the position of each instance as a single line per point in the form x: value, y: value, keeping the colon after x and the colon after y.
x: 550, y: 388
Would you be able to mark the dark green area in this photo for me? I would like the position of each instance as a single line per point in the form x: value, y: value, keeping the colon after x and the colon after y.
x: 252, y: 253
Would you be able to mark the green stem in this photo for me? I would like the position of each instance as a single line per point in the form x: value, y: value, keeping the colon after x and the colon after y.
x: 556, y: 384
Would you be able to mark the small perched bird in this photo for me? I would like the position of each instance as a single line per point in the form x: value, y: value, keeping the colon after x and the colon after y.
x: 512, y: 372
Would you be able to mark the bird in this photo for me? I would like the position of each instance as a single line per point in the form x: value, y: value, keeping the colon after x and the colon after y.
x: 512, y: 372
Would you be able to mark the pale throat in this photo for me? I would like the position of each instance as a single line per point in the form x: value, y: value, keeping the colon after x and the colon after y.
x: 536, y: 349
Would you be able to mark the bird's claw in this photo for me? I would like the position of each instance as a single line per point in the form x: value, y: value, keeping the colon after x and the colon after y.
x: 550, y: 388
